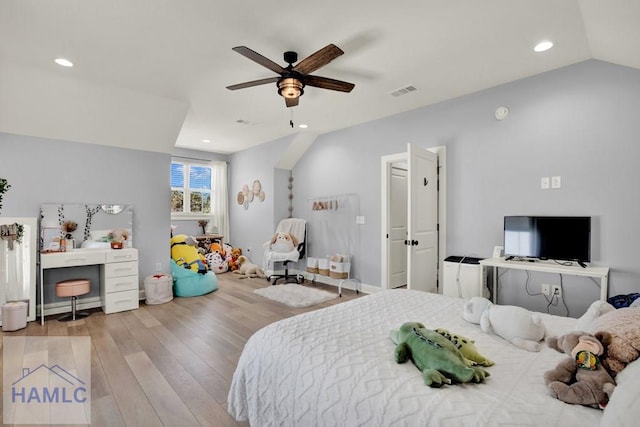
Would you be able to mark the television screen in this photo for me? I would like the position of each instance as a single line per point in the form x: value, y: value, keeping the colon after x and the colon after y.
x: 548, y: 237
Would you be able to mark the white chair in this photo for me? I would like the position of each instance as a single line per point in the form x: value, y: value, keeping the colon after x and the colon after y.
x: 297, y: 227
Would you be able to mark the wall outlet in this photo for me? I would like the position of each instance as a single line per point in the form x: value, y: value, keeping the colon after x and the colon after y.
x: 556, y: 291
x: 546, y: 289
x: 556, y: 182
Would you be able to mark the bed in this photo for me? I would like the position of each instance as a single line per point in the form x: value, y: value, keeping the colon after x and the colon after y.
x: 335, y: 367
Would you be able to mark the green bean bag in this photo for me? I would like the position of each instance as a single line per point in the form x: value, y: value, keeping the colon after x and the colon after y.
x: 187, y: 283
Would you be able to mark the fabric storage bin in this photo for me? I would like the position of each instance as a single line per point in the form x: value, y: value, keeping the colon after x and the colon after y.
x: 323, y: 266
x: 14, y: 315
x: 339, y: 269
x: 158, y: 288
x: 312, y: 265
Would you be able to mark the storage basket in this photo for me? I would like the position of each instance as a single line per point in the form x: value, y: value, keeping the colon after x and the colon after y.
x: 312, y: 265
x: 339, y: 269
x: 323, y: 266
x: 158, y: 289
x: 14, y: 315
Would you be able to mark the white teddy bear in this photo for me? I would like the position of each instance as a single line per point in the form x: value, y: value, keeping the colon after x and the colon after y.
x: 517, y: 325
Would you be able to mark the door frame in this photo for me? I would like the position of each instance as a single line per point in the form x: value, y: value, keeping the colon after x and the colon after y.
x: 385, y: 167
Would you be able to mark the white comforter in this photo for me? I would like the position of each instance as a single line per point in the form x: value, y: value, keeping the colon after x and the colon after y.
x: 335, y: 367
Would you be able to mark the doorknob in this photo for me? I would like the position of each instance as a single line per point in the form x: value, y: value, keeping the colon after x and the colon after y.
x: 414, y: 242
x: 406, y: 242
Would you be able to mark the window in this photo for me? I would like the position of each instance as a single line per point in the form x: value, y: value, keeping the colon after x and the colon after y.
x: 191, y: 188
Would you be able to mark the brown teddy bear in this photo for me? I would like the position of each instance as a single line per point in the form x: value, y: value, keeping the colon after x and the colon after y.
x: 580, y: 379
x: 233, y: 260
x: 623, y: 343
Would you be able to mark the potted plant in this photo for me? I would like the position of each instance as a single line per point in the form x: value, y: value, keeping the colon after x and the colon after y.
x: 4, y: 187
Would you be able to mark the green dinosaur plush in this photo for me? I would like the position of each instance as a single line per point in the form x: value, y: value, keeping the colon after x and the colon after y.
x: 467, y: 348
x: 438, y: 359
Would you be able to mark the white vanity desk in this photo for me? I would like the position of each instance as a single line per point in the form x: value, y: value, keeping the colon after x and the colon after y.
x: 118, y: 275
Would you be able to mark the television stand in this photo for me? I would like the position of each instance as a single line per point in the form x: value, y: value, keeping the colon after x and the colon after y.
x: 601, y: 273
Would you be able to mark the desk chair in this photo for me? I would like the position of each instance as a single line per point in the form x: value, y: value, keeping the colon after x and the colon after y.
x: 298, y: 228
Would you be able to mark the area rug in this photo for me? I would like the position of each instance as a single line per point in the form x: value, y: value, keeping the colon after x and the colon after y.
x: 295, y: 295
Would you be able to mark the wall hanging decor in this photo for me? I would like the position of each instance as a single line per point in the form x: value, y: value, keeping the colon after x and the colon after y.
x: 246, y: 195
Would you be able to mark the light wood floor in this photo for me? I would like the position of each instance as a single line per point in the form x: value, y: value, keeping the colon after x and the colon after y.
x: 172, y: 364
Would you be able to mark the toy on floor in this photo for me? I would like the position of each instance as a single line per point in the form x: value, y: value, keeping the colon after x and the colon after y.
x: 184, y: 251
x: 433, y: 354
x: 580, y: 379
x: 517, y: 325
x: 248, y: 269
x: 217, y: 263
x: 233, y: 260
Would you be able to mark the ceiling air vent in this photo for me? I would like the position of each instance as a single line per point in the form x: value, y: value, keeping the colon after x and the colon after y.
x: 404, y: 90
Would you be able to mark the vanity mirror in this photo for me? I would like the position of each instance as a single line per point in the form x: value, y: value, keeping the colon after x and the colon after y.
x: 85, y: 226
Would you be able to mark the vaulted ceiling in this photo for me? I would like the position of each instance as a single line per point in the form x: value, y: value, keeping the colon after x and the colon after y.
x: 153, y: 74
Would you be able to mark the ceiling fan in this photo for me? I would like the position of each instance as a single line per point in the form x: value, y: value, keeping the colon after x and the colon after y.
x: 292, y: 79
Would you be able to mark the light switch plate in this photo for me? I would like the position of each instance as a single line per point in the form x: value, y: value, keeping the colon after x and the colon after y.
x: 544, y: 183
x: 359, y: 219
x: 556, y: 182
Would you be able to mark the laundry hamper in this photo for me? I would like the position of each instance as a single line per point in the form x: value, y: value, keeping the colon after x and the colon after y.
x: 158, y: 288
x: 14, y: 315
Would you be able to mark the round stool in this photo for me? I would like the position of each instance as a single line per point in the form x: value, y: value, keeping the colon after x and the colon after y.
x: 72, y: 288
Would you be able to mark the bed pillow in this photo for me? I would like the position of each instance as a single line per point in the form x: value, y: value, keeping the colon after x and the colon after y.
x: 623, y: 409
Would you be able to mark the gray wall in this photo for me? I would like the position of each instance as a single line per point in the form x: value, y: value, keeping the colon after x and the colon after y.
x: 251, y: 228
x: 51, y: 171
x: 579, y: 122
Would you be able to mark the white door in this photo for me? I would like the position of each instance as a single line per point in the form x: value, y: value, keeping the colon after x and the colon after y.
x: 422, y: 248
x: 398, y: 226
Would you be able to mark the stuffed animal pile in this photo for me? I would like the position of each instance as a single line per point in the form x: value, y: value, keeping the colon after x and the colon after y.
x: 623, y: 328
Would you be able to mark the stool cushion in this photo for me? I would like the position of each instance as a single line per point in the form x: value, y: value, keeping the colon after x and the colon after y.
x: 73, y: 287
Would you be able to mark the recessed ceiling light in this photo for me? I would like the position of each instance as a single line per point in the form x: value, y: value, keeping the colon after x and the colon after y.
x: 543, y: 45
x: 303, y: 126
x: 206, y: 140
x: 63, y: 62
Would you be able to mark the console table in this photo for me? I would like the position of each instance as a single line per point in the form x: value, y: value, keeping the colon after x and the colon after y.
x: 119, y: 285
x: 601, y: 273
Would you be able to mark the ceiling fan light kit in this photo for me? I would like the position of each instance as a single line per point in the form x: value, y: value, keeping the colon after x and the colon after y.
x: 290, y: 87
x: 292, y: 78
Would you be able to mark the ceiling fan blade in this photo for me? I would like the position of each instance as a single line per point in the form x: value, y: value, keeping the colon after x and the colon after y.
x: 318, y: 59
x: 292, y: 102
x: 256, y: 57
x: 327, y: 83
x: 253, y: 83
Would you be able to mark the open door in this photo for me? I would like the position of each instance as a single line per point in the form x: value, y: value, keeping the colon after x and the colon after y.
x: 422, y: 232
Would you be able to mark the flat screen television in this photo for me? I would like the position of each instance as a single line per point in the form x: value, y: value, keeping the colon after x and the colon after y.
x: 563, y: 238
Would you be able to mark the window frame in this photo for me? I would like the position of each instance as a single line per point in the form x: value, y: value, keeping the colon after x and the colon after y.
x: 187, y: 215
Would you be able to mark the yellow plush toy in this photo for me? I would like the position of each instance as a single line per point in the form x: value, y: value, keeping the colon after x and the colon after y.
x: 184, y: 251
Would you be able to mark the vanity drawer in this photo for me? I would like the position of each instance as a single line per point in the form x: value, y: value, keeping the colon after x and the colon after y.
x: 119, y: 269
x: 71, y: 258
x: 118, y: 284
x: 120, y: 301
x: 120, y: 255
